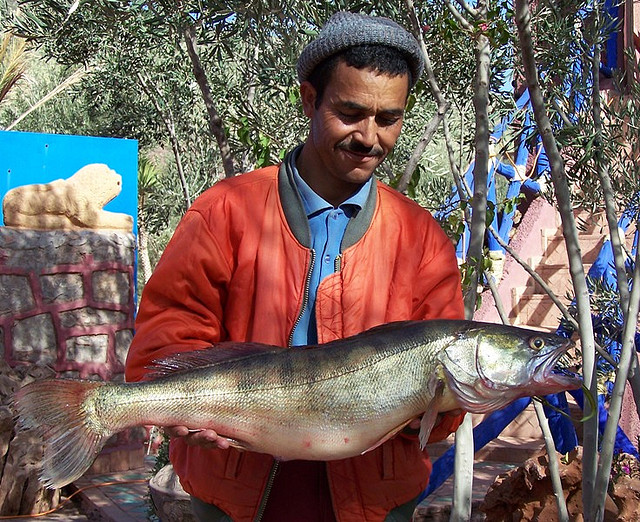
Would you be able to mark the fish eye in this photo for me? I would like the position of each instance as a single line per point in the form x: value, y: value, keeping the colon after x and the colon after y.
x: 537, y: 343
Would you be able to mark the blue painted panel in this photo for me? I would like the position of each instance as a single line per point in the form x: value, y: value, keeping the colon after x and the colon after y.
x: 27, y: 158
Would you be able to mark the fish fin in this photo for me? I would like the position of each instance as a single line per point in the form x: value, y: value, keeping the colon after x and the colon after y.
x: 391, y: 327
x: 216, y: 354
x: 387, y: 436
x: 73, y: 436
x: 430, y: 416
x: 427, y: 423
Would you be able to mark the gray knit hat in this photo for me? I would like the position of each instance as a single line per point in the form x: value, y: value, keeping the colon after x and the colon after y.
x: 345, y: 29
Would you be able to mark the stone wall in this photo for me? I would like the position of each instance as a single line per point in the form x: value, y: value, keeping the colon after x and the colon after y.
x: 67, y: 300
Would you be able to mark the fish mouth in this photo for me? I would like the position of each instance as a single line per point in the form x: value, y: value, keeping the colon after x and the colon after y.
x: 549, y: 374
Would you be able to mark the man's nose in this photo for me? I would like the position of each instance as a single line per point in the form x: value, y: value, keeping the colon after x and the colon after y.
x: 367, y: 132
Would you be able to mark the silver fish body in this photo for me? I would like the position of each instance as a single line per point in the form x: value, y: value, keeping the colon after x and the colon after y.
x: 328, y: 402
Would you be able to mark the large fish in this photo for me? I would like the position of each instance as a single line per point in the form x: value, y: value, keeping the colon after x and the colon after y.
x: 332, y: 401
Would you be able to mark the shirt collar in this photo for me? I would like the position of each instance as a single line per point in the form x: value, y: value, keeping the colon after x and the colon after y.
x: 313, y: 203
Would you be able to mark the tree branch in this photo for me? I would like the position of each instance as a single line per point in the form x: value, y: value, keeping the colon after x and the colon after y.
x: 473, y: 13
x: 627, y: 361
x: 167, y: 117
x: 458, y: 17
x: 480, y: 171
x: 627, y: 356
x: 442, y: 104
x: 463, y: 192
x: 554, y: 469
x: 215, y: 122
x: 419, y: 149
x: 523, y: 19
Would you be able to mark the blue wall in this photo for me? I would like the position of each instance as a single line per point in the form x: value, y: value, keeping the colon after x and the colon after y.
x: 27, y: 158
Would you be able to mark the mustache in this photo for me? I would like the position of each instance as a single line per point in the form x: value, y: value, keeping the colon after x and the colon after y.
x: 358, y: 148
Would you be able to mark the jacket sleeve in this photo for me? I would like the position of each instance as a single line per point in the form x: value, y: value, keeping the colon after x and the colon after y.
x: 175, y: 313
x: 440, y: 294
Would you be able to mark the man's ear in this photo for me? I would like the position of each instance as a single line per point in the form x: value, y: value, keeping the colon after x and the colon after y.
x: 308, y: 96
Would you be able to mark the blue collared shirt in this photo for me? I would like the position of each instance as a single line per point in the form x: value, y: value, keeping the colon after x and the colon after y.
x: 327, y: 225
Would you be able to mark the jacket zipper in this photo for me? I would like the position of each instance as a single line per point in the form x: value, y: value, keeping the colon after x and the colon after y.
x: 337, y: 263
x: 267, y: 491
x: 305, y: 297
x: 274, y: 468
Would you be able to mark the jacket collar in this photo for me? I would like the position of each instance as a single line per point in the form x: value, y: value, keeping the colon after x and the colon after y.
x: 297, y: 217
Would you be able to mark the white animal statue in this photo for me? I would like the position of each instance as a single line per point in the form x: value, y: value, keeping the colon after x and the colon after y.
x: 68, y: 204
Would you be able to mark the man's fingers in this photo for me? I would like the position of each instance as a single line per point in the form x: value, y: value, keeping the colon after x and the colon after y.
x: 198, y: 437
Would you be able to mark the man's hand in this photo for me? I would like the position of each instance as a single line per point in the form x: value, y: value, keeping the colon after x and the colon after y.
x: 208, y: 439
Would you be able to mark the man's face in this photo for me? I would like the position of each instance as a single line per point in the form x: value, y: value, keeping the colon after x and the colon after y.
x: 353, y: 129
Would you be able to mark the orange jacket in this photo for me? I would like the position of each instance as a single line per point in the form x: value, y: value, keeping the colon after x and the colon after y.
x: 235, y: 269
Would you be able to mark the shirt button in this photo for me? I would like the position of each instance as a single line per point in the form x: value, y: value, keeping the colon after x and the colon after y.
x: 327, y: 258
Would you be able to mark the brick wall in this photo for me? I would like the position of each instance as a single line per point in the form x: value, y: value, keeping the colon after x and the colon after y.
x: 67, y: 300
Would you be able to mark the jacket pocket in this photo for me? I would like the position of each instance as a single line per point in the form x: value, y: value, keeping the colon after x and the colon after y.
x: 234, y: 463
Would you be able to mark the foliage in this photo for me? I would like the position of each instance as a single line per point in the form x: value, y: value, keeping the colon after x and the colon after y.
x: 64, y: 113
x: 608, y: 325
x: 12, y: 63
x: 140, y: 83
x: 248, y: 50
x: 625, y: 465
x: 566, y: 33
x: 162, y: 458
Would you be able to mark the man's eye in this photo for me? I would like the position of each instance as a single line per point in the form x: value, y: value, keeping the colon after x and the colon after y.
x: 349, y: 116
x: 387, y: 121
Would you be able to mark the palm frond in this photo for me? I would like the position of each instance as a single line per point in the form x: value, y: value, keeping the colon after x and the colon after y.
x: 13, y: 63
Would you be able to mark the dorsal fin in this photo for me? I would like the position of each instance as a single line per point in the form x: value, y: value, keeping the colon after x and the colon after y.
x: 390, y: 327
x: 216, y: 354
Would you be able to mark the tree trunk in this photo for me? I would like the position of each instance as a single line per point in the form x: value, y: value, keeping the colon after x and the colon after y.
x: 143, y: 249
x: 20, y: 453
x: 569, y: 231
x: 215, y: 122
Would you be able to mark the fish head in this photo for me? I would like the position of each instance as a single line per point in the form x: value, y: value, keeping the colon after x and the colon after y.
x: 493, y: 365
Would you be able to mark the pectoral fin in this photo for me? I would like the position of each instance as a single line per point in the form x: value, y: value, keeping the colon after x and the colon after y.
x: 389, y: 435
x: 426, y: 424
x: 430, y: 416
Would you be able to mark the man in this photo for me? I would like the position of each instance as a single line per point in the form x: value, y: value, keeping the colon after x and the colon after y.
x: 310, y: 251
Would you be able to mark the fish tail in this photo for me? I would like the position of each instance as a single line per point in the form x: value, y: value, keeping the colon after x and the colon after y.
x: 63, y: 413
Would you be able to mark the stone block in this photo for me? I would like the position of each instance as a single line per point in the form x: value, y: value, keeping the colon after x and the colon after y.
x: 88, y: 316
x: 31, y: 250
x: 170, y: 501
x: 112, y: 287
x: 61, y: 288
x: 123, y: 341
x: 117, y: 459
x: 88, y: 348
x: 67, y: 265
x: 122, y: 452
x: 34, y: 339
x: 16, y: 295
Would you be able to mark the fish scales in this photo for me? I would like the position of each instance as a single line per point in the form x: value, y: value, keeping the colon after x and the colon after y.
x: 322, y: 403
x: 336, y: 387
